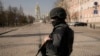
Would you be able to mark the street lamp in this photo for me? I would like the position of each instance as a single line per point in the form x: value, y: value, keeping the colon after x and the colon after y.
x: 16, y: 20
x: 6, y: 15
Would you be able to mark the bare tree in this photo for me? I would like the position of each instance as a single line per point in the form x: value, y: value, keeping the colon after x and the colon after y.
x: 1, y: 7
x: 2, y: 23
x: 64, y: 4
x: 21, y: 10
x: 13, y: 16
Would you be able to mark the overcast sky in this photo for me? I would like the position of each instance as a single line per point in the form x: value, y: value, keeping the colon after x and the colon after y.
x: 29, y: 5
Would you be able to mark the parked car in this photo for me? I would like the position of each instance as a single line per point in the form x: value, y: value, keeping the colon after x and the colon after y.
x: 80, y: 24
x: 71, y: 23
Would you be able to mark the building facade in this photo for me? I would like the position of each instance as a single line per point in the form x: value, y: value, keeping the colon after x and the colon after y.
x: 83, y: 10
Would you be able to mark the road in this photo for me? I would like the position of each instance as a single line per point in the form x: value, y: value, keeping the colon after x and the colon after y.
x: 87, y: 42
x: 25, y: 41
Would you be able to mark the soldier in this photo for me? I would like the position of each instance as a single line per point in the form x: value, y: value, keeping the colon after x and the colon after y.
x: 62, y: 36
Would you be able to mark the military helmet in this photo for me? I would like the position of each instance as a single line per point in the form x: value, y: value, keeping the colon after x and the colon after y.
x: 58, y: 13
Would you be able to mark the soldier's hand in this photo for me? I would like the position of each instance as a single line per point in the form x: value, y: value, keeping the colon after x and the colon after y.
x: 45, y: 39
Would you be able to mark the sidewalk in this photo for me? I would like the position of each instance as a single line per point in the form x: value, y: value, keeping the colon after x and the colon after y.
x: 96, y: 29
x: 4, y: 30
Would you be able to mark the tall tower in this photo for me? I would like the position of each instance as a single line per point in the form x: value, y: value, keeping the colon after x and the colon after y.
x: 37, y: 12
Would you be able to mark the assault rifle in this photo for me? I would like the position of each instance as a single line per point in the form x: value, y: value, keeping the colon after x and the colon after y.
x: 43, y: 49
